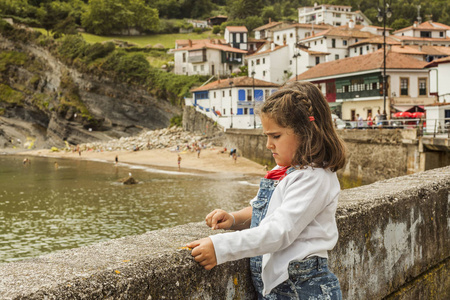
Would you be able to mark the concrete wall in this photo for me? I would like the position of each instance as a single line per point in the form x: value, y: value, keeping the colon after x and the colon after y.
x: 394, y: 243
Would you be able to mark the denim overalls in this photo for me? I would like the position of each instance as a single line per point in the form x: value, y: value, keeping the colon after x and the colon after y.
x: 308, y: 279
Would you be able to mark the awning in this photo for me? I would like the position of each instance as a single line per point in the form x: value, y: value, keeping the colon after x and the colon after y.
x: 403, y: 107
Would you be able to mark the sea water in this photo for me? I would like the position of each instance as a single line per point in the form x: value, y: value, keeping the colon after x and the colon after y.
x: 53, y: 204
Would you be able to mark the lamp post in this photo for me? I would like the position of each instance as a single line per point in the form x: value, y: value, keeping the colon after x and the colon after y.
x: 384, y: 14
x: 296, y: 55
x: 253, y: 98
x: 231, y: 104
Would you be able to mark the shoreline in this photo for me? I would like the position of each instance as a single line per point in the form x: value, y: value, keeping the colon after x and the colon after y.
x: 210, y: 160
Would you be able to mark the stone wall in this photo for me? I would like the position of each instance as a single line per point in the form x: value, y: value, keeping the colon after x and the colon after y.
x: 394, y: 243
x: 372, y: 154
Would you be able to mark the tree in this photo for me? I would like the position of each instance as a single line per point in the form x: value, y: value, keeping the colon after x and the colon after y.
x: 240, y: 9
x: 400, y: 23
x: 114, y: 16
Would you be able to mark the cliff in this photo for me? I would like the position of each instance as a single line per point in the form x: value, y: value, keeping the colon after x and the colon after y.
x: 44, y: 102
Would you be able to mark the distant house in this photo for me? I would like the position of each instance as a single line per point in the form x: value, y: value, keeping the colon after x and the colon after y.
x: 207, y: 58
x: 231, y: 102
x: 335, y: 15
x: 293, y: 33
x: 439, y: 74
x: 356, y: 83
x: 265, y: 31
x: 237, y: 37
x: 216, y: 20
x: 270, y: 63
x: 198, y: 23
x: 427, y: 33
x: 185, y: 43
x: 255, y: 44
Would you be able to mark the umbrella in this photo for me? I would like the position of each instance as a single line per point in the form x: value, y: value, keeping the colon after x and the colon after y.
x: 417, y: 115
x: 402, y: 114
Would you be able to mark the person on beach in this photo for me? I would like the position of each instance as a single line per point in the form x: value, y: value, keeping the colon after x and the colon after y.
x: 179, y: 162
x: 116, y: 159
x: 290, y: 225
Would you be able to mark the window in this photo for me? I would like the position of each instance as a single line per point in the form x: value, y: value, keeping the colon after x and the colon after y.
x: 223, y: 93
x: 422, y: 86
x: 224, y: 112
x: 356, y: 50
x: 195, y: 68
x: 278, y: 37
x: 246, y: 111
x: 425, y: 34
x: 360, y: 50
x: 321, y: 41
x: 336, y: 56
x: 253, y: 63
x: 214, y: 94
x: 264, y: 60
x: 229, y: 93
x: 344, y: 42
x: 441, y: 34
x: 264, y: 73
x: 317, y: 60
x: 249, y: 95
x: 258, y: 61
x: 291, y: 35
x: 266, y: 94
x: 290, y: 62
x: 367, y: 48
x: 333, y: 43
x: 184, y: 57
x: 404, y: 83
x: 315, y: 43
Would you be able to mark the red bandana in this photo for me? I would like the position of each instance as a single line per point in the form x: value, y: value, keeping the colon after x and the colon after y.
x: 277, y: 174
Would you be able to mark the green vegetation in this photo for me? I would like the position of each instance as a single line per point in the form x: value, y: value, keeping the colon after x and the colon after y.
x: 8, y: 95
x: 176, y: 121
x: 12, y: 58
x: 41, y: 100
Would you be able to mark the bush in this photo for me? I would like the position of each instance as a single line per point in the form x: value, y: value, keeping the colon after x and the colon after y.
x: 128, y: 67
x: 176, y: 121
x: 216, y: 29
x: 98, y: 50
x: 72, y: 46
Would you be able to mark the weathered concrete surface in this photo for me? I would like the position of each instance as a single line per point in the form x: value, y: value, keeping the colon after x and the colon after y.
x: 148, y: 266
x: 394, y: 242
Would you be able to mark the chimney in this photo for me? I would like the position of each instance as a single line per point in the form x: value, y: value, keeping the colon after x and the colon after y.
x: 190, y: 42
x: 415, y: 24
x: 270, y: 20
x: 351, y: 24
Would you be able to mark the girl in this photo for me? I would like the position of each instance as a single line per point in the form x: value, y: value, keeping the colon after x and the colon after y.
x: 292, y: 219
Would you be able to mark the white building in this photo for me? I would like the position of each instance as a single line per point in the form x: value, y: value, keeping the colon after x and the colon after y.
x: 439, y: 70
x: 335, y: 15
x: 231, y: 102
x: 427, y: 33
x: 271, y: 63
x: 207, y: 58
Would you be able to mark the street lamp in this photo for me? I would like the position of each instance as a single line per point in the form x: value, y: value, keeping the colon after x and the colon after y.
x: 384, y: 14
x: 253, y: 98
x: 296, y: 55
x: 231, y: 104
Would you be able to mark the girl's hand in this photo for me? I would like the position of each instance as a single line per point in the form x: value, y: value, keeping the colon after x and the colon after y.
x: 219, y: 219
x: 203, y: 252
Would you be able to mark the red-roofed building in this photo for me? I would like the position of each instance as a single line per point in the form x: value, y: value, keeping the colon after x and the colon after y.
x: 355, y: 84
x: 427, y: 33
x: 270, y: 63
x: 231, y: 102
x: 207, y: 58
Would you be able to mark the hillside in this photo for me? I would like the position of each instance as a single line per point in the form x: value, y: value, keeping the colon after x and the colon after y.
x: 44, y: 101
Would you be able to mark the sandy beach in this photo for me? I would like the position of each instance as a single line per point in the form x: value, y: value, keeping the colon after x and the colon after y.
x: 210, y: 160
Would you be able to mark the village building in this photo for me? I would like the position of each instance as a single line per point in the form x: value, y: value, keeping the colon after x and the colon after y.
x: 231, y: 102
x: 439, y: 70
x: 271, y: 63
x: 335, y: 15
x: 427, y: 33
x: 198, y: 23
x: 207, y: 58
x: 237, y: 37
x: 266, y: 31
x: 216, y: 20
x: 354, y: 85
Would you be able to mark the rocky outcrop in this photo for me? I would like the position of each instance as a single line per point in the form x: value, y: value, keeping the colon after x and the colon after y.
x: 46, y: 113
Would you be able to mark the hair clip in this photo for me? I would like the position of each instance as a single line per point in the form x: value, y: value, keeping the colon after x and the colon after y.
x: 311, y: 118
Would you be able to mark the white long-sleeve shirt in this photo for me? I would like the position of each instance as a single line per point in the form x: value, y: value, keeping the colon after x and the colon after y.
x: 300, y: 222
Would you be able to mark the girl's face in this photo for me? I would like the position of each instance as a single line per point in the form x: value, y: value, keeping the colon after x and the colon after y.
x: 282, y: 141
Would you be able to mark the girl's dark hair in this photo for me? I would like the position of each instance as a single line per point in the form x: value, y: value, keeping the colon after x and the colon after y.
x: 302, y: 107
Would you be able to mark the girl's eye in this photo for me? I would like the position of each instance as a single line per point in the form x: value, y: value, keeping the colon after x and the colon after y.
x: 276, y: 136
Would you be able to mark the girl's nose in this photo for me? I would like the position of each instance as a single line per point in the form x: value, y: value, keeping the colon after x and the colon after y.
x: 269, y: 145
